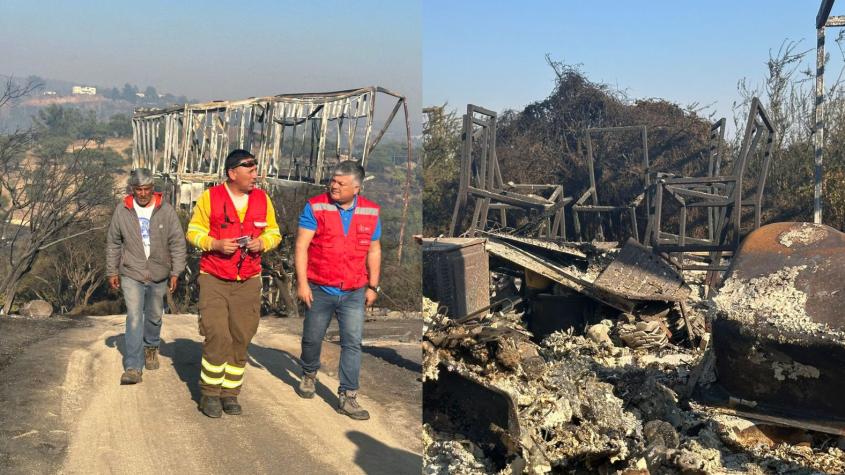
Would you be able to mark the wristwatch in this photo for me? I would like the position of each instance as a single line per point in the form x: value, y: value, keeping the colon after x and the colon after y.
x: 376, y: 289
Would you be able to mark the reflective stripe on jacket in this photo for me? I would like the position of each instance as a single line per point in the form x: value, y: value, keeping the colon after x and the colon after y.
x: 225, y: 224
x: 336, y: 260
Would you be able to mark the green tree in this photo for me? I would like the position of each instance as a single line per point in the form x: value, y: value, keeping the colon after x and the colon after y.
x: 120, y: 125
x: 441, y: 168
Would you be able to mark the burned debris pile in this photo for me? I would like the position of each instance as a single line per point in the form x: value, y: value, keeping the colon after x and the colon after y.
x: 589, y: 404
x: 674, y: 354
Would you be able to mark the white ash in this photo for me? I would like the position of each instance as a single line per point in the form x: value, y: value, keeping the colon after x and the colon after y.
x: 588, y: 410
x: 596, y: 263
x: 807, y: 234
x: 447, y: 454
x: 794, y: 370
x: 774, y: 299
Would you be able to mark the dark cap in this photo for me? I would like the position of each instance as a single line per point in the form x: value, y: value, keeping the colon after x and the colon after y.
x: 237, y: 156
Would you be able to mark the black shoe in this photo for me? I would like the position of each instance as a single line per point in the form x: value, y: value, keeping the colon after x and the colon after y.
x: 230, y: 405
x: 211, y: 407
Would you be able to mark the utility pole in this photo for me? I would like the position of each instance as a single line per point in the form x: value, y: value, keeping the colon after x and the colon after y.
x: 823, y: 20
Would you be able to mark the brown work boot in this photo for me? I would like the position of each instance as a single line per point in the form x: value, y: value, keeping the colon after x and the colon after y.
x: 151, y: 357
x: 131, y: 376
x: 211, y: 407
x: 307, y: 385
x: 230, y: 405
x: 348, y: 405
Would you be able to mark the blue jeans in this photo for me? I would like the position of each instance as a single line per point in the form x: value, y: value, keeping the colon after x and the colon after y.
x: 350, y: 318
x: 144, y: 307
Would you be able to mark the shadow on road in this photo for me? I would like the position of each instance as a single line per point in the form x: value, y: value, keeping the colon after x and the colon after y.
x: 185, y: 355
x: 119, y: 342
x: 374, y: 457
x: 393, y: 357
x: 286, y: 367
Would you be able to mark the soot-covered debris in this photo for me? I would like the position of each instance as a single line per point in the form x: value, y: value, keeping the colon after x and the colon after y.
x: 591, y: 404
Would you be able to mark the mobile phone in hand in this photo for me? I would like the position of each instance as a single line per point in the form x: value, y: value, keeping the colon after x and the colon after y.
x: 243, y: 241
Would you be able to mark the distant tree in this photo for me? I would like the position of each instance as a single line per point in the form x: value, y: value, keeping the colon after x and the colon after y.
x: 128, y: 93
x: 37, y: 82
x: 57, y: 120
x: 150, y: 94
x: 88, y: 127
x: 120, y: 125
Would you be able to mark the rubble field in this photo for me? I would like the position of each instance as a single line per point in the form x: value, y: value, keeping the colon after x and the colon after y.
x: 614, y: 400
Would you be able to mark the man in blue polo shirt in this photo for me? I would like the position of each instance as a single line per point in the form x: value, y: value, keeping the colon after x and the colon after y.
x: 338, y: 266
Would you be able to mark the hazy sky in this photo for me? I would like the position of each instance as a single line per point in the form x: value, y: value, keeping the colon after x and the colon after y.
x: 214, y: 49
x: 491, y: 53
x: 486, y: 52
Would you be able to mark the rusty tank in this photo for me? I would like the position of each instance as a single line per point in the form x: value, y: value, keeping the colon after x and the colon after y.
x: 778, y: 332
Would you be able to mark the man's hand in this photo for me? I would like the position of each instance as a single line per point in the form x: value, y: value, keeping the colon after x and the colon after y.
x: 114, y: 282
x: 173, y: 280
x: 303, y: 291
x: 370, y: 297
x: 255, y: 245
x: 225, y: 246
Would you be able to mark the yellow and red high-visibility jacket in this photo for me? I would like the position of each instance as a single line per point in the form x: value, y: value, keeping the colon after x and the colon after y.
x: 216, y: 217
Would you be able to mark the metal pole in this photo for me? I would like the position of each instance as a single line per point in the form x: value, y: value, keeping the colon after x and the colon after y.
x: 818, y: 132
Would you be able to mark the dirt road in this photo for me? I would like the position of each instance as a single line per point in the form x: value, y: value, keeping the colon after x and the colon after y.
x: 66, y: 412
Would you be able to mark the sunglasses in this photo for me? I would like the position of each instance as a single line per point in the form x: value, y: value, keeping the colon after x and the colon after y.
x: 247, y: 164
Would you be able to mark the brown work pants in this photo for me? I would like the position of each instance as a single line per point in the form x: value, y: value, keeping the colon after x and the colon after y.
x: 229, y: 314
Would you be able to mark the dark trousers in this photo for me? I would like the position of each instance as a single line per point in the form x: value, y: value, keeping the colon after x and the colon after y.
x: 229, y: 314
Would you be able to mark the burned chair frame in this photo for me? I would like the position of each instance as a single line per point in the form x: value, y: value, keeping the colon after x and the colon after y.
x: 722, y: 195
x: 481, y: 179
x: 581, y: 205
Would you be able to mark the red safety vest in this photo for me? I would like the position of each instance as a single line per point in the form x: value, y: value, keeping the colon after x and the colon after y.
x: 336, y: 260
x: 225, y: 224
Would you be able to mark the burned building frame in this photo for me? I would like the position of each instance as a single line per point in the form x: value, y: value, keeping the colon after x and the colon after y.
x: 296, y: 138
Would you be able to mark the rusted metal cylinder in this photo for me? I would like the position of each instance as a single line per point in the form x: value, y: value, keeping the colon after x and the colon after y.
x: 779, y: 331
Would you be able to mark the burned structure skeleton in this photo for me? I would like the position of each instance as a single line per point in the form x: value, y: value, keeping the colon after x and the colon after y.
x: 638, y: 355
x: 296, y: 139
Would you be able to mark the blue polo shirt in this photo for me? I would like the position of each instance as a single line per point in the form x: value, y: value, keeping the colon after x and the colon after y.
x: 308, y: 221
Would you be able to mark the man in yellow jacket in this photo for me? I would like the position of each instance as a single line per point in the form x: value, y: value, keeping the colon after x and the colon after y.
x: 233, y: 223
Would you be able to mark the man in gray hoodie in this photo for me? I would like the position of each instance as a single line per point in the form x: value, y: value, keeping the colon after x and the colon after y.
x: 145, y: 245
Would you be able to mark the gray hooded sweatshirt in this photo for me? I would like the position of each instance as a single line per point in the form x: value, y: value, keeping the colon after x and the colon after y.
x: 125, y: 248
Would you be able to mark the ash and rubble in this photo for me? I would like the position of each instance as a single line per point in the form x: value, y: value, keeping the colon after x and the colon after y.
x: 773, y: 300
x: 607, y: 402
x: 597, y: 260
x: 804, y: 235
